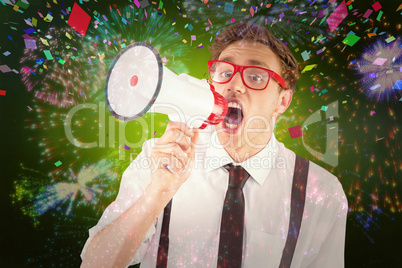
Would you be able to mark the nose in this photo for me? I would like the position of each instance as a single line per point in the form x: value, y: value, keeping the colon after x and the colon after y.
x: 236, y: 83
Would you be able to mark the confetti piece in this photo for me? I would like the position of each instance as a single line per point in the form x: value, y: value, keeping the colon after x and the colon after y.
x: 23, y: 5
x: 295, y: 132
x: 5, y: 68
x: 126, y: 147
x: 324, y: 108
x: 310, y: 110
x: 368, y: 13
x: 372, y: 112
x: 351, y: 39
x: 29, y: 31
x: 397, y: 85
x: 30, y: 108
x: 58, y: 163
x: 48, y: 18
x: 321, y: 50
x: 252, y: 11
x: 30, y: 43
x: 390, y: 39
x: 309, y: 68
x: 379, y: 15
x: 376, y: 6
x: 45, y: 42
x: 79, y: 19
x: 137, y: 4
x: 6, y: 53
x: 48, y: 54
x: 2, y: 92
x: 380, y: 61
x: 306, y: 55
x: 375, y: 87
x: 154, y: 132
x: 228, y: 8
x: 337, y: 16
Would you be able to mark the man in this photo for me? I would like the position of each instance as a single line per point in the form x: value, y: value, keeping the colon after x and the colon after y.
x: 201, y: 226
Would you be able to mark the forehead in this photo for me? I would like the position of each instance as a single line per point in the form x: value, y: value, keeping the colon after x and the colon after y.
x: 251, y: 53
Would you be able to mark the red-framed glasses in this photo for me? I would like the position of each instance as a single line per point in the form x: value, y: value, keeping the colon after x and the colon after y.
x: 253, y: 77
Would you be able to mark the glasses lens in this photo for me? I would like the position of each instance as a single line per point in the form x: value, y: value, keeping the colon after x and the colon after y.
x: 256, y: 78
x: 220, y: 72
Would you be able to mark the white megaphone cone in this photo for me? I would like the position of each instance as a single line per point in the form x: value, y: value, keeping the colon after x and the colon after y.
x: 137, y: 82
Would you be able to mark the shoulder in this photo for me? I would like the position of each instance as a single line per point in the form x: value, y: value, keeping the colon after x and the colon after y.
x: 325, y: 190
x: 322, y: 185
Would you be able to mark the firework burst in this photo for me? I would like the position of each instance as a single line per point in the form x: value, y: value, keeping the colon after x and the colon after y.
x: 380, y: 70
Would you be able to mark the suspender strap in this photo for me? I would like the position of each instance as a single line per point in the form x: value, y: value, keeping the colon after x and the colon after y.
x: 163, y: 248
x: 296, y: 210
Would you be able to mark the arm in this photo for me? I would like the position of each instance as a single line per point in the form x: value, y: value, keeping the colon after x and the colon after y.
x: 117, y: 243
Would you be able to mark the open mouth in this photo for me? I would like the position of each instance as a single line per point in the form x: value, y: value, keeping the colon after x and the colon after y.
x: 233, y: 117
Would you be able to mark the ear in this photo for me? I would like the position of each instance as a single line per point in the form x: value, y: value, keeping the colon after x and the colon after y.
x: 285, y: 97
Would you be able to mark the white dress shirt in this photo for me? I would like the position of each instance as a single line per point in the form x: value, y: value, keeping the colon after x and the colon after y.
x: 197, y: 210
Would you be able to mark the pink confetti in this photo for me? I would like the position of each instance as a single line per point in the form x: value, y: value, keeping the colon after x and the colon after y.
x: 368, y: 13
x: 376, y: 6
x: 252, y: 11
x: 379, y: 61
x: 337, y: 16
x: 295, y: 132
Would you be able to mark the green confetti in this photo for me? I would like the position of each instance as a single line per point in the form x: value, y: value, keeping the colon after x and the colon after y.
x: 351, y: 39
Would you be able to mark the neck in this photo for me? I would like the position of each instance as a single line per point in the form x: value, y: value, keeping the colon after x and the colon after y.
x: 242, y: 153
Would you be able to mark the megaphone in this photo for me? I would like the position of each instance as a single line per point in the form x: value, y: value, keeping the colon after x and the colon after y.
x: 137, y: 82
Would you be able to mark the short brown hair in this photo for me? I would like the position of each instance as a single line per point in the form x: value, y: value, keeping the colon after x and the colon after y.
x: 254, y: 32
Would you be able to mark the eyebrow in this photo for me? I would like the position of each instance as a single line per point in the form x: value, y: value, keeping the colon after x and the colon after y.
x: 251, y: 62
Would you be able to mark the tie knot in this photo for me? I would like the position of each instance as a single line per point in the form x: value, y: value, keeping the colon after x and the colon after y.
x: 237, y: 176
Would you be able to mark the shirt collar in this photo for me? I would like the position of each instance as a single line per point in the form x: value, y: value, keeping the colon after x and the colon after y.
x: 258, y: 166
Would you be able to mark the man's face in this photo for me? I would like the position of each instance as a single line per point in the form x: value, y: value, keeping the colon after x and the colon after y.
x: 250, y: 128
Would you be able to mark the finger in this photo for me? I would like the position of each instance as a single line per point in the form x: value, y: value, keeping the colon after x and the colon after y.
x: 194, y: 140
x: 174, y: 136
x: 174, y: 150
x: 176, y: 131
x: 162, y: 160
x: 180, y: 126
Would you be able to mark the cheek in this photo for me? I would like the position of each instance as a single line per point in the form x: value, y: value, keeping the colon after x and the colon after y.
x: 263, y: 104
x: 219, y: 88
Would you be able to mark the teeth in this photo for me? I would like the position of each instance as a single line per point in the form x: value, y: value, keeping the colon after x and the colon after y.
x: 231, y: 126
x: 234, y: 105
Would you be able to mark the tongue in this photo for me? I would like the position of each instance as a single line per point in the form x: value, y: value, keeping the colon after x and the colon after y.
x: 234, y: 116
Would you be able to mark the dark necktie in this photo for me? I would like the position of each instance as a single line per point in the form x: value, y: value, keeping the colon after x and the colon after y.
x: 232, y: 223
